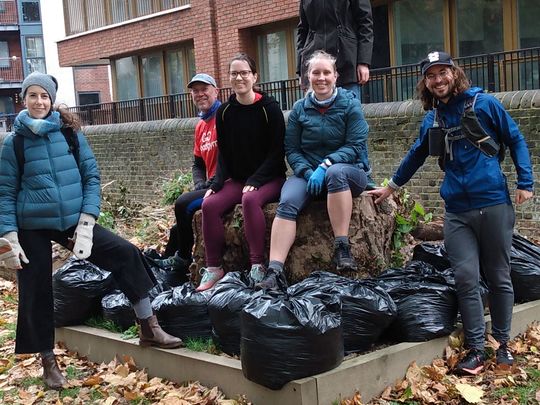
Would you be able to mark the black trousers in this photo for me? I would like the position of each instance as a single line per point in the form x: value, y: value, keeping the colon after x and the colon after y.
x: 181, y: 235
x: 35, y: 324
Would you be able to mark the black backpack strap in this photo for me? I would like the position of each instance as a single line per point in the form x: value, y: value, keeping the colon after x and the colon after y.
x: 18, y: 146
x: 73, y: 142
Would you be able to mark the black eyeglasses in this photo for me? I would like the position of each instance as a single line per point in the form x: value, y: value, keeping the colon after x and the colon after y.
x: 243, y: 73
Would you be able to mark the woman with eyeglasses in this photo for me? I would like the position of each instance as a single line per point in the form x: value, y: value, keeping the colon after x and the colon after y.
x: 251, y: 169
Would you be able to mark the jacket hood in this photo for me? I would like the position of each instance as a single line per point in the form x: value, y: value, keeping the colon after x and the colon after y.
x: 264, y: 101
x: 470, y: 92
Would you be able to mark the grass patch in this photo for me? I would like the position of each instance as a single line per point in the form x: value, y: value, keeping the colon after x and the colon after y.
x: 101, y: 323
x: 10, y: 299
x: 95, y: 395
x: 131, y: 333
x: 30, y: 381
x: 524, y: 394
x: 73, y: 373
x: 202, y: 345
x: 70, y: 392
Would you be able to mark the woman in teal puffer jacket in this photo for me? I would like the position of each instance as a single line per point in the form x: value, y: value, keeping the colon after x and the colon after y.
x: 50, y: 191
x: 325, y: 143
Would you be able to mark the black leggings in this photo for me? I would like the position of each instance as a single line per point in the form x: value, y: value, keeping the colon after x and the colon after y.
x: 181, y: 234
x: 35, y: 324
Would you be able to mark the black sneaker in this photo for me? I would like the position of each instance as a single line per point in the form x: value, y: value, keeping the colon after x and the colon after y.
x: 343, y: 258
x: 273, y: 280
x: 503, y: 355
x: 472, y: 363
x: 175, y: 263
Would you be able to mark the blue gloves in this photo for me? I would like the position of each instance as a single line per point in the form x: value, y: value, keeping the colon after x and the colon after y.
x: 316, y: 181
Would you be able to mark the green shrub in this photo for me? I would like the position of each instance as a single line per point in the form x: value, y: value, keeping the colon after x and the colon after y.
x: 174, y: 187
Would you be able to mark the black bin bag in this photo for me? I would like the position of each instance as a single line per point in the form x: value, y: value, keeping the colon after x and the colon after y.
x: 432, y: 253
x: 525, y: 265
x: 366, y: 309
x: 183, y: 312
x: 230, y: 296
x: 168, y: 278
x: 426, y: 302
x: 287, y: 337
x: 117, y: 308
x: 78, y: 287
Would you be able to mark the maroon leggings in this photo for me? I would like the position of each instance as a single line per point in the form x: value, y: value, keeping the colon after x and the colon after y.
x: 216, y: 205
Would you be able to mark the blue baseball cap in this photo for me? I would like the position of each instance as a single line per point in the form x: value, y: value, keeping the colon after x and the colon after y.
x: 202, y: 78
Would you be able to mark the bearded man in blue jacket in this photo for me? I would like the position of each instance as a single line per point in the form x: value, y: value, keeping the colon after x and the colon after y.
x: 469, y: 131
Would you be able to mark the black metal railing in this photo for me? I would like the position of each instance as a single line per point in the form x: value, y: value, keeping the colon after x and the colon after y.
x: 495, y: 72
x: 6, y: 122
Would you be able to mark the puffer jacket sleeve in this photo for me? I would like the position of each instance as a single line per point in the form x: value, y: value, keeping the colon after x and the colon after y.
x: 9, y: 186
x: 293, y: 142
x: 356, y: 135
x: 90, y: 178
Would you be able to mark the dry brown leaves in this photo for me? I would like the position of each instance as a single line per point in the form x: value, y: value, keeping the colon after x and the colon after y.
x: 435, y: 384
x: 116, y: 383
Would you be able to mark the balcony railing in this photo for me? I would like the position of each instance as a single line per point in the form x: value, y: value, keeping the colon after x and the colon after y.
x: 504, y: 71
x: 11, y: 70
x: 494, y: 72
x: 8, y: 12
x: 86, y: 15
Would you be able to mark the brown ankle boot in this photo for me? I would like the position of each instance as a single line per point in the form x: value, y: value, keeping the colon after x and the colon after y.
x: 151, y: 334
x: 52, y: 376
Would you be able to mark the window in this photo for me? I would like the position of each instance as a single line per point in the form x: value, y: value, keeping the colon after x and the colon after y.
x: 126, y: 78
x: 89, y: 98
x: 143, y: 76
x: 273, y: 56
x: 119, y: 11
x: 528, y: 16
x: 276, y: 51
x: 30, y: 11
x: 180, y: 65
x: 35, y: 54
x: 418, y: 28
x: 152, y: 75
x: 479, y: 26
x: 4, y: 54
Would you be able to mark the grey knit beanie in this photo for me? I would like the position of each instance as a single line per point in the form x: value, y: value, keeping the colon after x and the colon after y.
x: 47, y: 82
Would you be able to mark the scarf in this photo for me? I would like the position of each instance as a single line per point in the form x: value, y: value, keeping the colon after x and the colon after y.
x: 323, y: 103
x: 38, y: 126
x: 211, y: 111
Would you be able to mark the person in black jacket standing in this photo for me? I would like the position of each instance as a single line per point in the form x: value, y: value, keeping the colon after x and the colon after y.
x: 343, y: 28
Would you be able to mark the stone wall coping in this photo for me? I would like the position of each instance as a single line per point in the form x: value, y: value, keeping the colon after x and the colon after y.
x: 512, y: 100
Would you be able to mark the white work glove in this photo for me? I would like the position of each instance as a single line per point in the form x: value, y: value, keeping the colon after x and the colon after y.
x: 11, y: 252
x: 83, y: 235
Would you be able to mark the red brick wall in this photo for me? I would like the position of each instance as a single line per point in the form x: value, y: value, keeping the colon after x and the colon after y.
x: 218, y: 29
x: 94, y: 79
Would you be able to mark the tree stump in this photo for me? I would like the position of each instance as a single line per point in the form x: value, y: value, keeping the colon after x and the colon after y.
x: 370, y: 235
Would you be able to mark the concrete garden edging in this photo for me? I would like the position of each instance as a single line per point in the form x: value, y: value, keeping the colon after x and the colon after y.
x: 370, y: 373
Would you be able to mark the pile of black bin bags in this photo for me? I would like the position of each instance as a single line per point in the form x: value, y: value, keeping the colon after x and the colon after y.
x: 303, y: 330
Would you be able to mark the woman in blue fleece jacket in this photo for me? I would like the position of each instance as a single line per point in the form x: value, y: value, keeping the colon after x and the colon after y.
x: 48, y: 194
x: 479, y: 218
